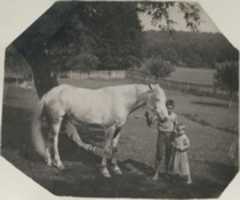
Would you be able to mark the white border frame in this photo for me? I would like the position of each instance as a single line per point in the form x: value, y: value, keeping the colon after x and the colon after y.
x: 17, y: 15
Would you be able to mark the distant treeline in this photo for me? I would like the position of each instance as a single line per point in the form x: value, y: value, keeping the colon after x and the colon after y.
x: 101, y: 36
x: 198, y: 50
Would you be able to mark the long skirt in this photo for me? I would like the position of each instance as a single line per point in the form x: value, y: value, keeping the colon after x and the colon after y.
x: 179, y: 164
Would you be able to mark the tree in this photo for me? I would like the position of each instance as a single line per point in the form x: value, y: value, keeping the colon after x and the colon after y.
x: 226, y: 78
x: 159, y: 11
x: 16, y: 64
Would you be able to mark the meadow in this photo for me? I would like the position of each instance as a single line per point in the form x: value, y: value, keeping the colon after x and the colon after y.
x: 211, y: 127
x: 193, y: 75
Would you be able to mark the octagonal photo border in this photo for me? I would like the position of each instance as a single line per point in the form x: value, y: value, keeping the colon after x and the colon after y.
x: 16, y: 16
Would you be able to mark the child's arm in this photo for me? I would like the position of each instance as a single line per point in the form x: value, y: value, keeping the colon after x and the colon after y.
x: 175, y: 122
x: 186, y: 143
x: 175, y: 146
x: 150, y: 119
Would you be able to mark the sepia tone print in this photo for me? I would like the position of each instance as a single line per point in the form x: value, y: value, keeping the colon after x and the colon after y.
x: 123, y: 99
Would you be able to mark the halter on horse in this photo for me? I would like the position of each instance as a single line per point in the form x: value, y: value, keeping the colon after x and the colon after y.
x: 108, y: 107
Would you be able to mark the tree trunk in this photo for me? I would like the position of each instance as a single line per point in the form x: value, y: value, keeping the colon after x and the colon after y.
x: 44, y: 81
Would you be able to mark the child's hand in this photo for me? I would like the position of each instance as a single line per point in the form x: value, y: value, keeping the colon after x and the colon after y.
x: 146, y: 114
x: 149, y: 121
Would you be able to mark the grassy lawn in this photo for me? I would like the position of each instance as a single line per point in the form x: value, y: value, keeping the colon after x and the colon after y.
x: 211, y: 127
x: 193, y: 75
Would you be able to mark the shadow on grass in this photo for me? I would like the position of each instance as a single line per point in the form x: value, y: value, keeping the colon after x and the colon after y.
x: 223, y: 171
x: 16, y: 129
x: 84, y: 181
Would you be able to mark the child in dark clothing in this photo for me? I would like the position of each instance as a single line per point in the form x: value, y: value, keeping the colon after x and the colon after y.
x: 165, y: 133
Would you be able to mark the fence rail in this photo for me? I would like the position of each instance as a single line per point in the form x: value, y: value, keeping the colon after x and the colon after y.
x: 193, y: 88
x: 97, y: 74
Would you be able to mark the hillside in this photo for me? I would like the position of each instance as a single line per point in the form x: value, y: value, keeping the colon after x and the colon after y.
x: 189, y: 49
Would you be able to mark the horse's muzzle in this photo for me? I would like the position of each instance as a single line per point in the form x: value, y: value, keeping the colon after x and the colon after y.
x: 162, y: 119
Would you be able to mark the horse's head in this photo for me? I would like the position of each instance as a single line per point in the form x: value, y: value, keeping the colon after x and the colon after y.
x: 157, y: 102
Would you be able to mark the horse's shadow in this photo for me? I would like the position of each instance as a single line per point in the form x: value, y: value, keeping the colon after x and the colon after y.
x: 70, y: 152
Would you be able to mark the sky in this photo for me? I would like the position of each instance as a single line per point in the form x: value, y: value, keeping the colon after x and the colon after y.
x: 206, y: 24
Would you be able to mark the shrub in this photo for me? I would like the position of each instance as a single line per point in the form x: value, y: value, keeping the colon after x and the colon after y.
x: 158, y: 67
x: 226, y: 77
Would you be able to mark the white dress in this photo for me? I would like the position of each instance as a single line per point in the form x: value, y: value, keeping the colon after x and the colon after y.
x: 179, y: 163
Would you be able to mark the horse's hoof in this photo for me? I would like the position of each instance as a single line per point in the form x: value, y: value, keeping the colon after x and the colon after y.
x: 49, y: 163
x: 106, y: 173
x: 117, y: 170
x: 155, y: 178
x: 91, y: 148
x: 59, y: 165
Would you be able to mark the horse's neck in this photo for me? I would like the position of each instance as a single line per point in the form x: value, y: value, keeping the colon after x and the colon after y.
x: 141, y: 96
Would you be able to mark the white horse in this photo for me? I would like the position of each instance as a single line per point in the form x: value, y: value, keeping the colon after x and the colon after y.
x: 108, y: 107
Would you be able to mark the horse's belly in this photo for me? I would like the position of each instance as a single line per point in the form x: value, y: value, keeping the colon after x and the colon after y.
x: 92, y: 118
x: 94, y: 107
x: 93, y: 113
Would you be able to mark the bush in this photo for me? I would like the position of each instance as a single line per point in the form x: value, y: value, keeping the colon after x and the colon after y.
x: 157, y: 67
x: 226, y: 77
x: 132, y: 62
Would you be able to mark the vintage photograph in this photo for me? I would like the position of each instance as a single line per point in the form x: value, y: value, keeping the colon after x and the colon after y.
x: 123, y: 100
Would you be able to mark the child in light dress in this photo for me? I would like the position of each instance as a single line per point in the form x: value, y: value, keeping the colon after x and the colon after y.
x: 179, y: 163
x: 165, y: 133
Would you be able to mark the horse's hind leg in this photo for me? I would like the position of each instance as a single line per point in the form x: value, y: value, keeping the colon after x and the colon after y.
x: 48, y: 158
x: 116, y: 168
x: 72, y: 133
x: 56, y: 157
x: 109, y: 133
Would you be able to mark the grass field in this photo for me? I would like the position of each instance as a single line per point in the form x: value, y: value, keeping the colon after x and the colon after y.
x: 193, y: 75
x: 211, y: 127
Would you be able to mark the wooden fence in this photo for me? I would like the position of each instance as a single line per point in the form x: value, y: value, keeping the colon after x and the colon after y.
x: 97, y: 74
x: 193, y: 88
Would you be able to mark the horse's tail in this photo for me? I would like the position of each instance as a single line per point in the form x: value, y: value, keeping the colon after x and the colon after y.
x: 37, y: 137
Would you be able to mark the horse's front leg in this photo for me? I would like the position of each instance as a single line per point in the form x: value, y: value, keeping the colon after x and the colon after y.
x: 109, y: 133
x: 56, y: 156
x: 115, y: 141
x: 48, y: 158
